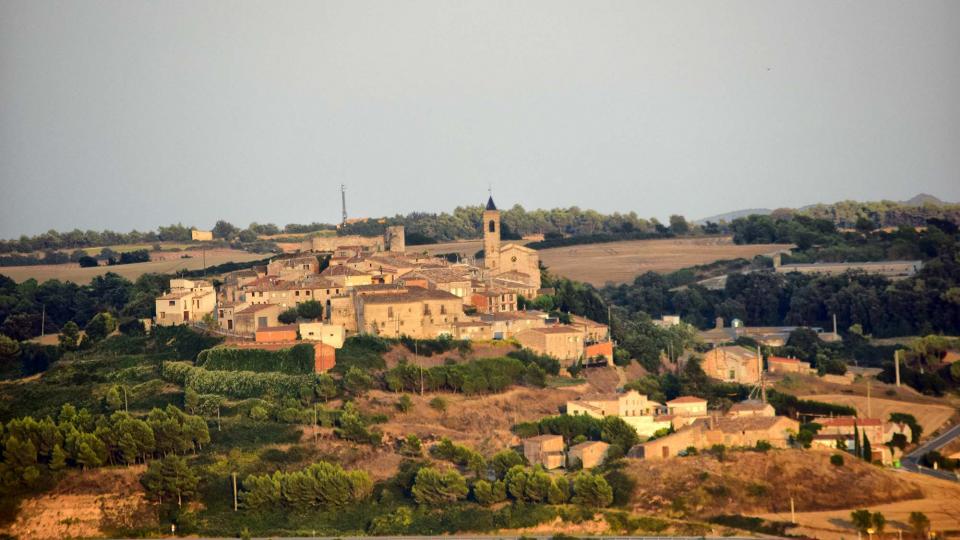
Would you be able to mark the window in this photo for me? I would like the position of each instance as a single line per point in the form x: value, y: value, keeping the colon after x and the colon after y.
x: 493, y: 226
x: 163, y: 314
x: 296, y: 293
x: 173, y: 302
x: 390, y: 312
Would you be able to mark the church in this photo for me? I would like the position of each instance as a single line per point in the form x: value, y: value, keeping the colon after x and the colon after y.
x: 511, y: 262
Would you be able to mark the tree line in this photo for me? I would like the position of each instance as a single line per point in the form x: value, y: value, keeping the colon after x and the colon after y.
x: 35, y: 449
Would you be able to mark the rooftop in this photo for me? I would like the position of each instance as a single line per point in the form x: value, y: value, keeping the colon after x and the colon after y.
x: 686, y: 399
x: 256, y: 307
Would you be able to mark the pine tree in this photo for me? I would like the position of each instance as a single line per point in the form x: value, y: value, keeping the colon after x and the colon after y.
x: 86, y: 456
x: 58, y: 459
x: 113, y: 400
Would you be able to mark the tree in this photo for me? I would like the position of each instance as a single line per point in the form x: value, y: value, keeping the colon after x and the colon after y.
x: 87, y: 456
x: 559, y: 492
x: 434, y: 488
x: 58, y: 458
x: 867, y: 451
x: 862, y: 520
x: 87, y: 261
x: 225, y: 230
x: 356, y: 381
x: 170, y: 477
x: 311, y: 309
x: 678, y: 225
x: 919, y: 524
x: 836, y: 459
x: 487, y: 493
x: 404, y: 403
x: 100, y: 326
x: 9, y: 348
x: 288, y: 317
x: 69, y: 336
x: 592, y: 491
x: 326, y: 387
x: 113, y: 400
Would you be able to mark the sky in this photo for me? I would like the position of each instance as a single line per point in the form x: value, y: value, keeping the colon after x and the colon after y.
x: 128, y: 114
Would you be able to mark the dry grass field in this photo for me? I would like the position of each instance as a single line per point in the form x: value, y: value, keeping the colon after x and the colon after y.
x: 939, y: 503
x: 163, y: 263
x: 621, y: 262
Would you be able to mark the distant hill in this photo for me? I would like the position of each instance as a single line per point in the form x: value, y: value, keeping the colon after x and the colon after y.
x: 886, y: 213
x: 730, y: 216
x: 922, y: 199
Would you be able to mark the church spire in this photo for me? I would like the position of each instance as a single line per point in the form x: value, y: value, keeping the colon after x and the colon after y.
x: 490, y: 205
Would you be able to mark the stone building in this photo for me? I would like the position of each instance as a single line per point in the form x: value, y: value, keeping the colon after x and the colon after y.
x: 732, y: 364
x: 187, y: 300
x: 561, y: 342
x: 544, y: 450
x: 520, y: 263
x: 589, y: 454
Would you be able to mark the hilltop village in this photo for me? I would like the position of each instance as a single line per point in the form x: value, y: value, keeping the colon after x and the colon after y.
x: 373, y: 285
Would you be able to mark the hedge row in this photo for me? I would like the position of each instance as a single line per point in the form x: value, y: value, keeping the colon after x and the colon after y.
x: 237, y: 384
x: 296, y: 360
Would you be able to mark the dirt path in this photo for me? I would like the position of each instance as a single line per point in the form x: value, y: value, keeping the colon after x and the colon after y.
x: 939, y: 504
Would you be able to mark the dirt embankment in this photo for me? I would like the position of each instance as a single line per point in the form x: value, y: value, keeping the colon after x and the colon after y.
x: 754, y: 482
x: 84, y: 504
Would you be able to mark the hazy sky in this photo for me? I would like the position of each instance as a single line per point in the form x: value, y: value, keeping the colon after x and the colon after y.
x: 129, y: 114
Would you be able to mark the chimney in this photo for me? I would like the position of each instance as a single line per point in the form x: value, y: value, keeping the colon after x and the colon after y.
x: 719, y: 323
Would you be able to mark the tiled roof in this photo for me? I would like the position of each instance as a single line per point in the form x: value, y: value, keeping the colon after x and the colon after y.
x: 255, y: 308
x: 687, y: 399
x: 413, y: 294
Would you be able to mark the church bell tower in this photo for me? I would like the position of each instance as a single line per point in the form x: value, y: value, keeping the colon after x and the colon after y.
x: 491, y: 236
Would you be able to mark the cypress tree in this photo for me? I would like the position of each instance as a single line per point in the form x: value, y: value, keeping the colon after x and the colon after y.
x: 867, y: 452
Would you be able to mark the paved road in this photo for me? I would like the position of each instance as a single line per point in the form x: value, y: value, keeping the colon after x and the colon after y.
x: 911, y: 461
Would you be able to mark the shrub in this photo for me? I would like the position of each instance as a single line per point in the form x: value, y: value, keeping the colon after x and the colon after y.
x: 237, y: 384
x: 298, y: 359
x: 836, y: 459
x: 439, y: 404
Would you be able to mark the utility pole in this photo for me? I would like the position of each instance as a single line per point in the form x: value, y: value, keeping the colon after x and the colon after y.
x: 343, y: 202
x: 43, y: 321
x: 234, y: 476
x: 793, y: 513
x: 869, y: 408
x: 896, y: 365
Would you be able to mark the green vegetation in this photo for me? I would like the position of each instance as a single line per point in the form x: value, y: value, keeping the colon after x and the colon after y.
x: 486, y: 375
x: 295, y: 360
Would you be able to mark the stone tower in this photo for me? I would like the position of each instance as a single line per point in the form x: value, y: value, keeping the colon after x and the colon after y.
x: 491, y: 236
x: 395, y: 238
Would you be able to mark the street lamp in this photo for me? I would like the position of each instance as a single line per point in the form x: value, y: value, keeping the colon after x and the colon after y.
x: 870, y: 532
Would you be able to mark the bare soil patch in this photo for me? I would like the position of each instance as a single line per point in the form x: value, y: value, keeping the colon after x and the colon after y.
x: 83, y: 503
x: 621, y: 262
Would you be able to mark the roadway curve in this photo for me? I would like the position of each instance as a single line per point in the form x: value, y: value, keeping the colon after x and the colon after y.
x: 911, y: 461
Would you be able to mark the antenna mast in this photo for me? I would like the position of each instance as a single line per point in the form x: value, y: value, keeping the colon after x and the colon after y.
x: 343, y: 201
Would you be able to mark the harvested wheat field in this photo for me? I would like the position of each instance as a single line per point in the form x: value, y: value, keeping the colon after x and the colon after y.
x: 621, y: 262
x: 930, y: 416
x: 161, y: 263
x: 85, y: 504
